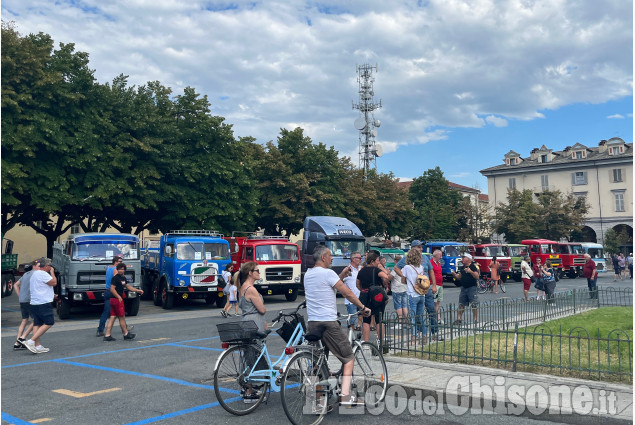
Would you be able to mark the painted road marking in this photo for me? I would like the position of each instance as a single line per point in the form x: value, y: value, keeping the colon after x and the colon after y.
x: 151, y: 340
x: 77, y: 394
x: 37, y: 421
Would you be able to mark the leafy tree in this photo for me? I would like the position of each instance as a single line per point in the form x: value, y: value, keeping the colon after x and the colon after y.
x: 516, y: 219
x: 435, y: 207
x: 611, y: 242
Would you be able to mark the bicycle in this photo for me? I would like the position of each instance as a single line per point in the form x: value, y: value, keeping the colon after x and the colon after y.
x: 485, y: 284
x: 309, y: 389
x: 244, y: 373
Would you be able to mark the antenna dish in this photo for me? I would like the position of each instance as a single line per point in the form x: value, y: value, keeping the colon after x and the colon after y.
x: 379, y: 151
x: 373, y: 132
x: 377, y: 123
x: 360, y: 123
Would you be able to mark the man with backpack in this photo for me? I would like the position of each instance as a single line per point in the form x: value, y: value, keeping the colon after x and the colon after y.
x: 468, y: 277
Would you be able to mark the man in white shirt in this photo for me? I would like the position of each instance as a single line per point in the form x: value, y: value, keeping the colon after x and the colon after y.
x: 41, y: 285
x: 320, y: 287
x: 350, y: 281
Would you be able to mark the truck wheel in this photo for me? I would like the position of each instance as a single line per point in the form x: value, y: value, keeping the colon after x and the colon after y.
x: 167, y: 298
x: 146, y: 285
x: 291, y: 296
x: 132, y: 307
x: 156, y: 293
x: 221, y: 301
x: 63, y: 309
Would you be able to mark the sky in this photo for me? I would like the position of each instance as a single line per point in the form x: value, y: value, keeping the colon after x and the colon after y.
x: 460, y: 82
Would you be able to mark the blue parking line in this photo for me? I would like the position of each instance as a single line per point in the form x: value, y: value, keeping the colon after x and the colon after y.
x: 9, y: 309
x: 181, y: 412
x: 143, y: 375
x: 14, y: 420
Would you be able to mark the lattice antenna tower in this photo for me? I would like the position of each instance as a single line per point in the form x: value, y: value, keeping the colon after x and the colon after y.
x: 366, y: 123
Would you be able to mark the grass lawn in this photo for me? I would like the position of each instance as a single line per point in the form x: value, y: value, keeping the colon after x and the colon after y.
x: 597, y: 344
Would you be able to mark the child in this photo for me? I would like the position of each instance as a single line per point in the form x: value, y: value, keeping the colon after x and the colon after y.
x: 233, y: 300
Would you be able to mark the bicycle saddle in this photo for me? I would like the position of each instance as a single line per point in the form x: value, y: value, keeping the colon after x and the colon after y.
x: 314, y: 336
x: 263, y: 334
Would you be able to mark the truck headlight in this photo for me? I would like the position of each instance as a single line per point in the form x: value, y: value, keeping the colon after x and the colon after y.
x: 296, y: 279
x: 77, y: 296
x: 181, y: 282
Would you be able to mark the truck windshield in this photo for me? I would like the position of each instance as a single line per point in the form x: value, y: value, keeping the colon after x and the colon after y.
x: 104, y: 249
x: 344, y: 248
x: 518, y: 251
x: 454, y: 250
x: 277, y: 252
x: 577, y: 249
x: 596, y: 252
x: 548, y: 248
x: 200, y: 251
x: 498, y: 251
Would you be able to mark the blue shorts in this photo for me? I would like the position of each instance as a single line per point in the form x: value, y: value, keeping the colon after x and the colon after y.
x: 233, y: 302
x: 25, y: 310
x: 468, y: 296
x: 400, y: 300
x: 42, y: 314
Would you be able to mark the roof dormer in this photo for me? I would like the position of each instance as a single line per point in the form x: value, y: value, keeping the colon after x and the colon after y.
x: 578, y: 151
x: 543, y: 155
x: 615, y: 146
x: 512, y: 158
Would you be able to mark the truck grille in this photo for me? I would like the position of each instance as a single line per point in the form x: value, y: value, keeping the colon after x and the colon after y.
x: 204, y: 275
x: 599, y: 266
x: 277, y: 274
x: 579, y: 261
x: 99, y: 278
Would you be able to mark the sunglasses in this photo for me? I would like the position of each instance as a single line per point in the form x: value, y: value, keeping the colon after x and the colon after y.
x: 256, y: 270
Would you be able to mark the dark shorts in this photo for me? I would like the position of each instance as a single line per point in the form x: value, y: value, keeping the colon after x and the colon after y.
x: 334, y: 338
x: 526, y: 284
x: 25, y: 310
x: 42, y: 314
x: 233, y: 302
x: 117, y: 308
x: 468, y: 296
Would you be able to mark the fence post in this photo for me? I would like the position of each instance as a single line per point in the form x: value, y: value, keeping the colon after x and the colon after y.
x: 515, y: 347
x: 573, y: 293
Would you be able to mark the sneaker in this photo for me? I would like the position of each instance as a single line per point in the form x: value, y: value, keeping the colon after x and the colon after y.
x: 129, y: 336
x: 223, y: 313
x: 251, y: 398
x: 99, y: 333
x: 30, y: 345
x: 441, y: 322
x: 41, y: 349
x: 109, y: 338
x: 351, y: 401
x: 458, y: 322
x: 440, y: 338
x: 18, y: 345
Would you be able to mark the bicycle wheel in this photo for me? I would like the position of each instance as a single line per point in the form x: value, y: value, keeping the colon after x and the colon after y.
x: 230, y: 380
x: 483, y: 286
x: 502, y: 286
x: 370, y: 376
x: 305, y: 389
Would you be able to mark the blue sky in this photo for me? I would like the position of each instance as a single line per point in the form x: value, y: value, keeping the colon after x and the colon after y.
x: 461, y: 81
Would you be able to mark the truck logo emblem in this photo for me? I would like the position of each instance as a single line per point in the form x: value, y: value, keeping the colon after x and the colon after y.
x: 279, y: 273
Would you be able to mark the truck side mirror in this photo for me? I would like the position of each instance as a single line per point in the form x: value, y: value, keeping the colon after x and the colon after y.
x: 168, y: 250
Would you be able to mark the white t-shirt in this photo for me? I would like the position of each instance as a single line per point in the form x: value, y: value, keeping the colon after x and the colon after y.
x: 395, y: 284
x: 232, y: 292
x: 321, y: 302
x: 227, y: 276
x: 411, y: 272
x: 526, y: 270
x: 351, y: 282
x: 41, y: 293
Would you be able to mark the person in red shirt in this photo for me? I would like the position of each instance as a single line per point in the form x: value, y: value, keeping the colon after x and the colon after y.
x: 591, y: 274
x: 438, y: 276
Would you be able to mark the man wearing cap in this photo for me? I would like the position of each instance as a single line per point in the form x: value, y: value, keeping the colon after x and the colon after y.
x: 429, y: 271
x: 469, y: 278
x: 41, y: 285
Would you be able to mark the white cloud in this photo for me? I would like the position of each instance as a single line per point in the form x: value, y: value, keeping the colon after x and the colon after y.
x: 460, y: 175
x: 267, y: 65
x: 615, y: 116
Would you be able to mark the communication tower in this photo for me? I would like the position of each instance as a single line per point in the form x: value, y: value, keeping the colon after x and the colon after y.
x: 366, y: 123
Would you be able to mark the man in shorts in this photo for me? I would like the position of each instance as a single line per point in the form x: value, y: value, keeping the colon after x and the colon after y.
x: 117, y: 307
x: 41, y: 285
x: 23, y: 289
x: 320, y: 287
x: 468, y: 277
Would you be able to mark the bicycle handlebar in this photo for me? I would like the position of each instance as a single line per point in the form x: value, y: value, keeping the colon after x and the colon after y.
x: 281, y: 314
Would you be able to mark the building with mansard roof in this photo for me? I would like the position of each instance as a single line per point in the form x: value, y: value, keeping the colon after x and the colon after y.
x: 602, y: 174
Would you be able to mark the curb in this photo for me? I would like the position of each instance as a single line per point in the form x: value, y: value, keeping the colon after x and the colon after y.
x: 461, y: 402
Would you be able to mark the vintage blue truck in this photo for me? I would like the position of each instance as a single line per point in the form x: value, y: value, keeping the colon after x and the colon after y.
x: 185, y: 264
x: 451, y: 259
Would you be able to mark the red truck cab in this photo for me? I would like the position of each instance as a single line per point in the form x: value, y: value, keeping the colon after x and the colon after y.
x: 482, y: 254
x: 278, y: 261
x: 572, y: 255
x: 544, y: 249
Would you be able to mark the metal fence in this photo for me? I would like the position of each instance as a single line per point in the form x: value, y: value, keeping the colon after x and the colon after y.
x: 511, y: 334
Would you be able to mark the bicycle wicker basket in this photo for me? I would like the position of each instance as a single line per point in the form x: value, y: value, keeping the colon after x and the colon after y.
x: 237, y: 331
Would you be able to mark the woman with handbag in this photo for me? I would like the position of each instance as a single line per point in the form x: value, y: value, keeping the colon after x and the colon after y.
x: 539, y: 284
x: 527, y: 274
x: 368, y: 279
x: 549, y: 279
x: 413, y: 271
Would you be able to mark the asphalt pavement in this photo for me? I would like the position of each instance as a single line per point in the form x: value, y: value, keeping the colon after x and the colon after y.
x: 165, y: 376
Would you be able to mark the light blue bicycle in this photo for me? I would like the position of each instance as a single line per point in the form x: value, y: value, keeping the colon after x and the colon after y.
x: 244, y: 373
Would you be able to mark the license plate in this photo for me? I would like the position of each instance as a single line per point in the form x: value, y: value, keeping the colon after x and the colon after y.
x: 211, y: 289
x: 265, y: 287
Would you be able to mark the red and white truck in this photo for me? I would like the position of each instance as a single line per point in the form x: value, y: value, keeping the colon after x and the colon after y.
x: 483, y: 254
x: 278, y: 261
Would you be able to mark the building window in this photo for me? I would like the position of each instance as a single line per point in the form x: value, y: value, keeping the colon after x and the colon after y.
x: 76, y: 228
x: 578, y: 178
x: 614, y: 150
x: 512, y: 183
x: 619, y: 201
x: 544, y: 182
x: 616, y: 174
x: 512, y: 161
x: 580, y: 195
x: 543, y: 159
x: 577, y: 155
